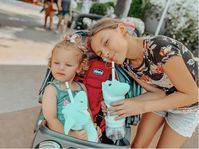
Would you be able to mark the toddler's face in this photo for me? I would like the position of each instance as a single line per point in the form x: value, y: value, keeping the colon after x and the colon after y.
x: 110, y: 44
x: 65, y: 64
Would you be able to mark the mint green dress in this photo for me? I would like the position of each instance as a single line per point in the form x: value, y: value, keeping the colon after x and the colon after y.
x: 63, y: 98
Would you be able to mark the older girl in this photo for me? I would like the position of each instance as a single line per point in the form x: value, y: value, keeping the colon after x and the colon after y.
x: 166, y: 69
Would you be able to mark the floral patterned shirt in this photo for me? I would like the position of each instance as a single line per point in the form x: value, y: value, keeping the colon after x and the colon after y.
x: 158, y: 50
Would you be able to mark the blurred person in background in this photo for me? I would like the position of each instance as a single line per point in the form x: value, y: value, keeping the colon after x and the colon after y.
x: 64, y: 12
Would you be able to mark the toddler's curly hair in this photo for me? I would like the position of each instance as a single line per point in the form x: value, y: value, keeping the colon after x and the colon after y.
x: 72, y: 42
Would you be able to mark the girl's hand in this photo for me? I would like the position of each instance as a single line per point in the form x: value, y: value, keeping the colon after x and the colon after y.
x: 99, y: 132
x: 125, y: 108
x: 104, y: 107
x: 60, y: 8
x: 78, y: 134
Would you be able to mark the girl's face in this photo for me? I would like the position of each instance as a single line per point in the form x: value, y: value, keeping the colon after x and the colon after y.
x: 65, y: 64
x: 110, y: 44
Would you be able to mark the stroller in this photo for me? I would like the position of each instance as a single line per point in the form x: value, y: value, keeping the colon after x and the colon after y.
x: 46, y: 138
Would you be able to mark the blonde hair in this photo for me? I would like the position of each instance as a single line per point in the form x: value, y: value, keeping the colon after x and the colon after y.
x: 69, y: 45
x: 102, y: 24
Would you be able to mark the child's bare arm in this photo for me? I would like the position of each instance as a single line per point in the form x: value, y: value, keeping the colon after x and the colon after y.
x: 81, y: 134
x: 49, y: 107
x: 185, y: 95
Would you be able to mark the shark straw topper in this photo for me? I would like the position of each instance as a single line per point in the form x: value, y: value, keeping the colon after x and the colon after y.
x: 114, y: 91
x: 77, y: 116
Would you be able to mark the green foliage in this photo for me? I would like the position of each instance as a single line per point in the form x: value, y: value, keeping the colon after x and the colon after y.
x: 138, y: 8
x: 101, y: 8
x: 182, y: 26
x: 185, y: 31
x: 109, y: 4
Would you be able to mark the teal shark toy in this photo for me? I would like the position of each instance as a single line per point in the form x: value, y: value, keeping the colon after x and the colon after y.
x: 77, y: 116
x: 114, y: 91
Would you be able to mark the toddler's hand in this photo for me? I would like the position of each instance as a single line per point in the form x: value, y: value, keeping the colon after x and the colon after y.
x: 99, y: 132
x: 81, y: 134
x: 104, y: 108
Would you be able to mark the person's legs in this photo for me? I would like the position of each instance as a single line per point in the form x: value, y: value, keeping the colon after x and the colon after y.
x: 170, y: 139
x: 59, y: 21
x: 51, y: 19
x: 179, y: 126
x: 65, y: 23
x: 147, y: 128
x: 46, y: 17
x: 46, y: 12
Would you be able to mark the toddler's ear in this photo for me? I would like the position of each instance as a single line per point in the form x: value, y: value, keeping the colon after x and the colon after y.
x: 79, y: 69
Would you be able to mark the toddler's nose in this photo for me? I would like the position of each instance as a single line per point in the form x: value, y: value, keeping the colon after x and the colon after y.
x: 61, y: 67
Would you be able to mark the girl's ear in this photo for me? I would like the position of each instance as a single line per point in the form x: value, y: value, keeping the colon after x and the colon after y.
x: 122, y: 28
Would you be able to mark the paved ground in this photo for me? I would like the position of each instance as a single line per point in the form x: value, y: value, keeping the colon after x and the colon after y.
x: 23, y: 40
x: 19, y: 86
x: 24, y: 49
x: 17, y: 128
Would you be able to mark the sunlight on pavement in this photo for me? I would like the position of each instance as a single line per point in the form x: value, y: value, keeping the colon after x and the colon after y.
x: 21, y: 55
x: 23, y: 40
x: 15, y: 9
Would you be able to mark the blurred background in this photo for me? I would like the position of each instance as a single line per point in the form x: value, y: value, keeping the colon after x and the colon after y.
x: 25, y: 45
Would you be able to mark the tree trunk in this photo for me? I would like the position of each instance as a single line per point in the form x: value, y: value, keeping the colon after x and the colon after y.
x: 122, y: 8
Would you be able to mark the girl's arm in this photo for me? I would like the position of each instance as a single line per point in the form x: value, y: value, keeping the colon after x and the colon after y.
x: 134, y: 105
x: 185, y: 95
x: 49, y: 107
x: 181, y: 78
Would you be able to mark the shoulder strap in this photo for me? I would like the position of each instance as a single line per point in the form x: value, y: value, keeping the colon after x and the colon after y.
x: 56, y: 87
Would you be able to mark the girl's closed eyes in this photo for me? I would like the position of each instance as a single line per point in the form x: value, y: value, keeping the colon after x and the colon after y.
x: 106, y: 42
x: 68, y: 65
x: 56, y: 63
